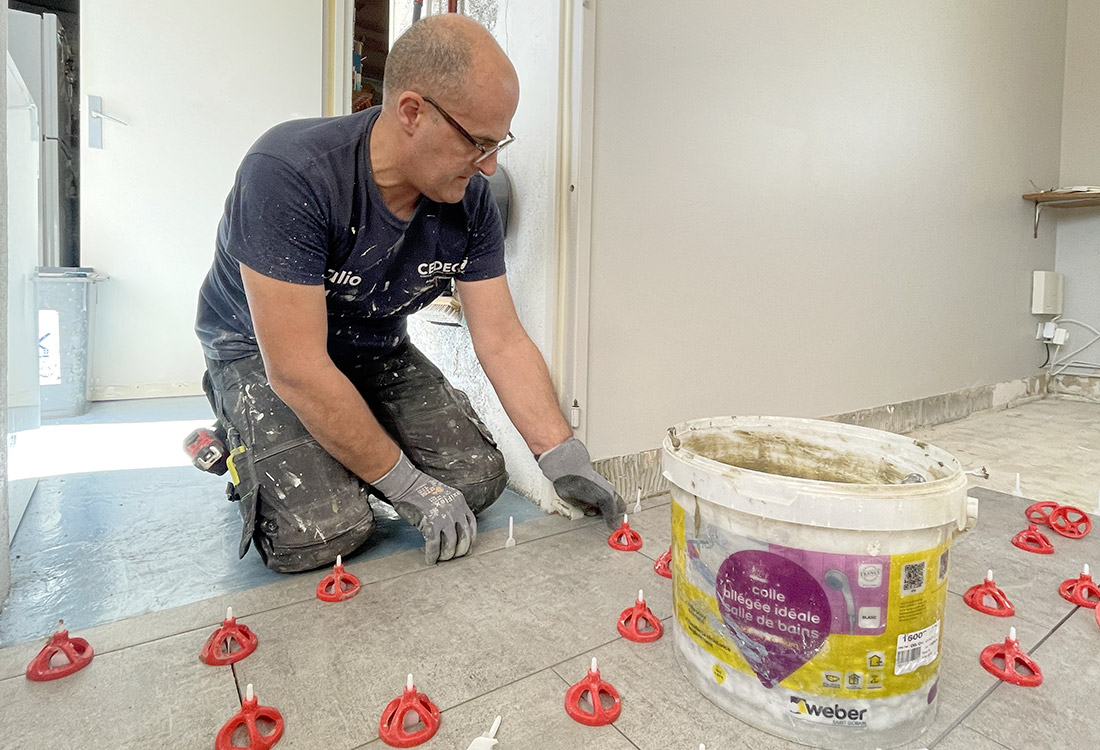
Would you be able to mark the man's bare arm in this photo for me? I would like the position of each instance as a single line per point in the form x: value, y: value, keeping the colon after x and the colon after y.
x: 291, y: 324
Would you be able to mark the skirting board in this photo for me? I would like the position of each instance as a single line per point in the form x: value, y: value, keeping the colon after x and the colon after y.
x: 151, y: 390
x: 643, y: 470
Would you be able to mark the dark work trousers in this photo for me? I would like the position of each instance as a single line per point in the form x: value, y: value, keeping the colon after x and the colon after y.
x: 300, y: 505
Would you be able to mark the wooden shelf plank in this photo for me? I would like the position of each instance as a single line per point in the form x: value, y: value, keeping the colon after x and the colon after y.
x: 1053, y: 199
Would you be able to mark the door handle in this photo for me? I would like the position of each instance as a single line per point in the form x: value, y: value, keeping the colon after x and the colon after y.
x: 96, y: 116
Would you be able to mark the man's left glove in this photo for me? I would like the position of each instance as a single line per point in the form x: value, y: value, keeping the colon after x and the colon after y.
x: 569, y: 467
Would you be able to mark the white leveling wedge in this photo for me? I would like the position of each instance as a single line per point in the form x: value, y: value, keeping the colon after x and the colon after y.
x: 487, y: 742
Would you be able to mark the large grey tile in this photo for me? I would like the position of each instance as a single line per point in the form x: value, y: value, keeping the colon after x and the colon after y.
x: 209, y: 613
x: 532, y: 718
x: 963, y: 683
x: 461, y: 629
x: 1059, y: 713
x: 660, y: 708
x: 156, y: 695
x: 1029, y: 580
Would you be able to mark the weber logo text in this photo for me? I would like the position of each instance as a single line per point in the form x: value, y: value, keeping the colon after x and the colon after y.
x: 834, y: 714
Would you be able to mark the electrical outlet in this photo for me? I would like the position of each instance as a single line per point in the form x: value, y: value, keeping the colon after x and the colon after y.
x: 1039, y: 333
x: 1048, y: 330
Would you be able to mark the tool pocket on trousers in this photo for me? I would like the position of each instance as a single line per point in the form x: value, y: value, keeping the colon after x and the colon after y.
x: 308, y: 498
x: 247, y: 487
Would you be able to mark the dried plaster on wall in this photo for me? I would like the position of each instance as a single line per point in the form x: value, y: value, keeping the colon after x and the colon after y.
x: 529, y: 246
x: 482, y: 11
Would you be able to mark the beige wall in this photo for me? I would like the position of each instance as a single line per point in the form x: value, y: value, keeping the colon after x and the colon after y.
x: 807, y: 208
x: 1078, y: 229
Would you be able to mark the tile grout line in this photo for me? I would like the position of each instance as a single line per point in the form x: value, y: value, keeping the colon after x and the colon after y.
x: 613, y: 725
x: 955, y: 724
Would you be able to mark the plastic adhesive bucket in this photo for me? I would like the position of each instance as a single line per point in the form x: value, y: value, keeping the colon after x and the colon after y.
x: 809, y: 580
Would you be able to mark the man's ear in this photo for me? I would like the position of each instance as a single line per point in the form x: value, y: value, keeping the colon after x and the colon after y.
x: 410, y: 111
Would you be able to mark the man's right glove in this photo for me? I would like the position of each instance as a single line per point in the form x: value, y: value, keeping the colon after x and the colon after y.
x: 439, y: 512
x: 569, y: 467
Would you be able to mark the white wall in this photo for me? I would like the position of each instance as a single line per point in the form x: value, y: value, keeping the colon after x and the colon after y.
x: 529, y: 33
x: 197, y: 82
x: 1078, y: 229
x: 5, y: 555
x: 812, y: 207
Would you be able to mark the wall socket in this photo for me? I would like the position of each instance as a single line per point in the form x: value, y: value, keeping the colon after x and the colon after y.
x: 1051, y: 333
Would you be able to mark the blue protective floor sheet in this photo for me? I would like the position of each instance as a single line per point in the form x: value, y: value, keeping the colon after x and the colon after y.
x: 98, y: 547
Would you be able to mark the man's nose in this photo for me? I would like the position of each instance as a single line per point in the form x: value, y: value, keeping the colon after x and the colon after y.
x: 488, y: 166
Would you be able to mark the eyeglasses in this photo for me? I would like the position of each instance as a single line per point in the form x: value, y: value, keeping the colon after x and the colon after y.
x: 486, y: 151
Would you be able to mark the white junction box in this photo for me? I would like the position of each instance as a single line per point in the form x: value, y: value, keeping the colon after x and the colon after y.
x: 1046, y: 292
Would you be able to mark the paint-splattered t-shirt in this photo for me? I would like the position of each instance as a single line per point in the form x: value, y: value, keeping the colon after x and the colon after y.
x: 305, y: 209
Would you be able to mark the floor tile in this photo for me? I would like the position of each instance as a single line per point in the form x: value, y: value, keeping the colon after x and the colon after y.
x: 462, y: 629
x: 661, y: 709
x: 288, y: 589
x: 156, y: 695
x: 1059, y: 713
x: 135, y: 558
x: 1029, y: 580
x: 532, y: 718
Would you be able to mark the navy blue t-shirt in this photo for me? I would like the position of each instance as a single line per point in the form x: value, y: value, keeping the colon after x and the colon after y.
x: 305, y: 209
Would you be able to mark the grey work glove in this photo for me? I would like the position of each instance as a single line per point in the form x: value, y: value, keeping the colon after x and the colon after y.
x: 438, y: 512
x: 569, y: 467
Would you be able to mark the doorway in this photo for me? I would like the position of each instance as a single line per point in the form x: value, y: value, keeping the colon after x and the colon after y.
x: 370, y: 46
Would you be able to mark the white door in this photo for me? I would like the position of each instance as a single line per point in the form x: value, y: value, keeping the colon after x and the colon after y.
x: 195, y: 83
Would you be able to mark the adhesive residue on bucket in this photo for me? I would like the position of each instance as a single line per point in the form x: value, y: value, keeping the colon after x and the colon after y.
x: 809, y: 577
x: 776, y: 452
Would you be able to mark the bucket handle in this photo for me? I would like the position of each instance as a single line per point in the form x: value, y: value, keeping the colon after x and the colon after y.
x: 971, y: 519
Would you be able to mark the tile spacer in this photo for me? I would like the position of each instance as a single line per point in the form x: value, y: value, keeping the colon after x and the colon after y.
x: 625, y: 538
x: 391, y: 727
x: 1082, y: 590
x: 595, y: 688
x: 247, y: 717
x: 76, y: 650
x: 218, y: 650
x: 337, y: 585
x: 662, y: 564
x: 1070, y: 522
x: 638, y: 623
x: 488, y: 741
x: 1011, y: 657
x: 1039, y: 513
x: 1033, y: 540
x: 975, y: 598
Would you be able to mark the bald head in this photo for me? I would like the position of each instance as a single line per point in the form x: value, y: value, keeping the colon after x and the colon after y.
x: 440, y: 56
